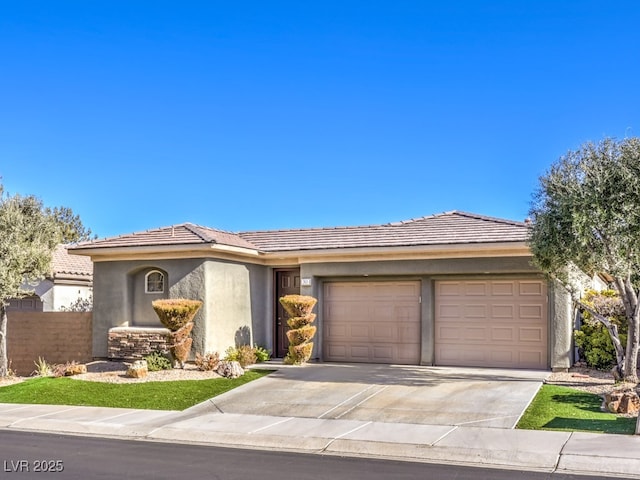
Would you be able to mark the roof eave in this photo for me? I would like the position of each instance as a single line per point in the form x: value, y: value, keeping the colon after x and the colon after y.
x: 413, y: 252
x: 166, y: 251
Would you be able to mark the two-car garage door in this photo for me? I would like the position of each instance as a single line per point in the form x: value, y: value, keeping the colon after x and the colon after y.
x: 482, y: 323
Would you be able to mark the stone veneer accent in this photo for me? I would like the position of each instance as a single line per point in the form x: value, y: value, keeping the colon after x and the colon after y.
x: 129, y: 343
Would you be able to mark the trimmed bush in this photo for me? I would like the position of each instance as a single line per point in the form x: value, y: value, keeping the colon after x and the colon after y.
x: 300, y: 331
x: 298, y: 322
x: 301, y: 335
x: 175, y: 313
x: 298, y: 305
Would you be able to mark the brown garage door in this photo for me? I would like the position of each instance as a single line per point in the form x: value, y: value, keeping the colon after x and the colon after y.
x: 491, y: 323
x: 375, y: 322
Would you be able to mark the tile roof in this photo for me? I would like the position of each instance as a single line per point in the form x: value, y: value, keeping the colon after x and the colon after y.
x: 441, y: 229
x: 183, y: 234
x: 447, y: 228
x: 70, y: 265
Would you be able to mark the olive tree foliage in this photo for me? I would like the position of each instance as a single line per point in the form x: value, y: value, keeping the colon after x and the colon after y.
x: 28, y: 236
x: 586, y: 216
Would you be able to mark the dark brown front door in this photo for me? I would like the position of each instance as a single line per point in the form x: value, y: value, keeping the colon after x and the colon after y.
x: 287, y: 283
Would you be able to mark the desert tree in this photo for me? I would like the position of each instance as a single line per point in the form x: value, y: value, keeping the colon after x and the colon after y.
x: 28, y: 236
x: 586, y: 218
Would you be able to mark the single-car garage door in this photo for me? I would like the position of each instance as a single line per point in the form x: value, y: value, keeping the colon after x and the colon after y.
x: 491, y: 323
x: 374, y: 322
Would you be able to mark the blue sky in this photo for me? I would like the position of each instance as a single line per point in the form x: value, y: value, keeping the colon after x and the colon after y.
x: 283, y: 114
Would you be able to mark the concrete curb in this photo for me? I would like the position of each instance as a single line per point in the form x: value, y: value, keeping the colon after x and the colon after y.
x: 478, y: 446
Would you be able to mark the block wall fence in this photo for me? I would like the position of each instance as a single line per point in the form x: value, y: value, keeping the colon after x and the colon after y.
x: 58, y: 337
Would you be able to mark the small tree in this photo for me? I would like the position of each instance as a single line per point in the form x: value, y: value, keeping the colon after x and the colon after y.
x: 300, y: 331
x: 27, y: 239
x: 586, y: 214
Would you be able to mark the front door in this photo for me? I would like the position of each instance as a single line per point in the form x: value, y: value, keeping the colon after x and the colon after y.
x: 287, y: 283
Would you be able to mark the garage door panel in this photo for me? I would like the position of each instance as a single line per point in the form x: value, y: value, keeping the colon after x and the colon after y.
x: 505, y: 327
x: 502, y: 312
x: 475, y: 289
x: 502, y: 288
x: 384, y: 332
x: 475, y: 311
x: 502, y: 334
x: 533, y: 288
x: 380, y: 322
x: 360, y: 332
x: 531, y: 312
x: 531, y: 334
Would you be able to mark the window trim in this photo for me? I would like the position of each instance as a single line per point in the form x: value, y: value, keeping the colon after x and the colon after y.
x: 146, y: 282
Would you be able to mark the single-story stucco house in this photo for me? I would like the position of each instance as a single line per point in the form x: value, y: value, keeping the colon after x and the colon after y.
x: 453, y: 289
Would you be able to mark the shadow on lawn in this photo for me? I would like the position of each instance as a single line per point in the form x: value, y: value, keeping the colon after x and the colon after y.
x: 620, y: 425
x: 583, y: 401
x: 591, y: 403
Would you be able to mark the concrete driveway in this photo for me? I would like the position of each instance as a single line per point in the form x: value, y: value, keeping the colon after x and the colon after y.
x: 389, y: 393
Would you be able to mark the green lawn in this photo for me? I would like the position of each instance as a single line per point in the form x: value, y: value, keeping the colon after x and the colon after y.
x: 567, y: 409
x: 149, y: 395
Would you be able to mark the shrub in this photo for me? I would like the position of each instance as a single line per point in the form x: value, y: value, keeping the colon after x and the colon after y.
x: 262, y: 354
x: 593, y: 339
x: 174, y: 313
x: 298, y: 305
x: 158, y: 361
x: 43, y: 368
x: 208, y: 361
x: 244, y: 355
x: 301, y: 335
x: 300, y: 331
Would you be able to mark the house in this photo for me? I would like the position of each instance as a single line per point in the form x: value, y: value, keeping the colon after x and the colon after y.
x: 71, y: 280
x: 453, y: 289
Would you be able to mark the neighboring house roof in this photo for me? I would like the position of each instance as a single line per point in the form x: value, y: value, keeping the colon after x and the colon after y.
x: 442, y: 229
x: 69, y: 266
x: 449, y: 228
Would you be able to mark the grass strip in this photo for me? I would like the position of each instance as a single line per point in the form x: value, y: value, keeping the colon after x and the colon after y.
x: 175, y: 395
x: 568, y: 409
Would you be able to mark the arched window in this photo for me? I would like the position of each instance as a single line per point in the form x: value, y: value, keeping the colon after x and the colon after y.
x: 154, y: 282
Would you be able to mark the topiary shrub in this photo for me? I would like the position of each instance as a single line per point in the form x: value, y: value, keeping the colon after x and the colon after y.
x: 177, y: 314
x: 593, y: 339
x: 300, y: 331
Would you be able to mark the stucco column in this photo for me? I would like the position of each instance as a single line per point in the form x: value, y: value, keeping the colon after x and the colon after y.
x: 427, y: 322
x: 561, y: 327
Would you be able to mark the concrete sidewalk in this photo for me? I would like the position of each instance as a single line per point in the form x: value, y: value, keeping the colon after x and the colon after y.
x: 491, y: 447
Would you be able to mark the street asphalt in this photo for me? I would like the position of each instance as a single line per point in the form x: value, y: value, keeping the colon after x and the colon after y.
x: 431, y: 414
